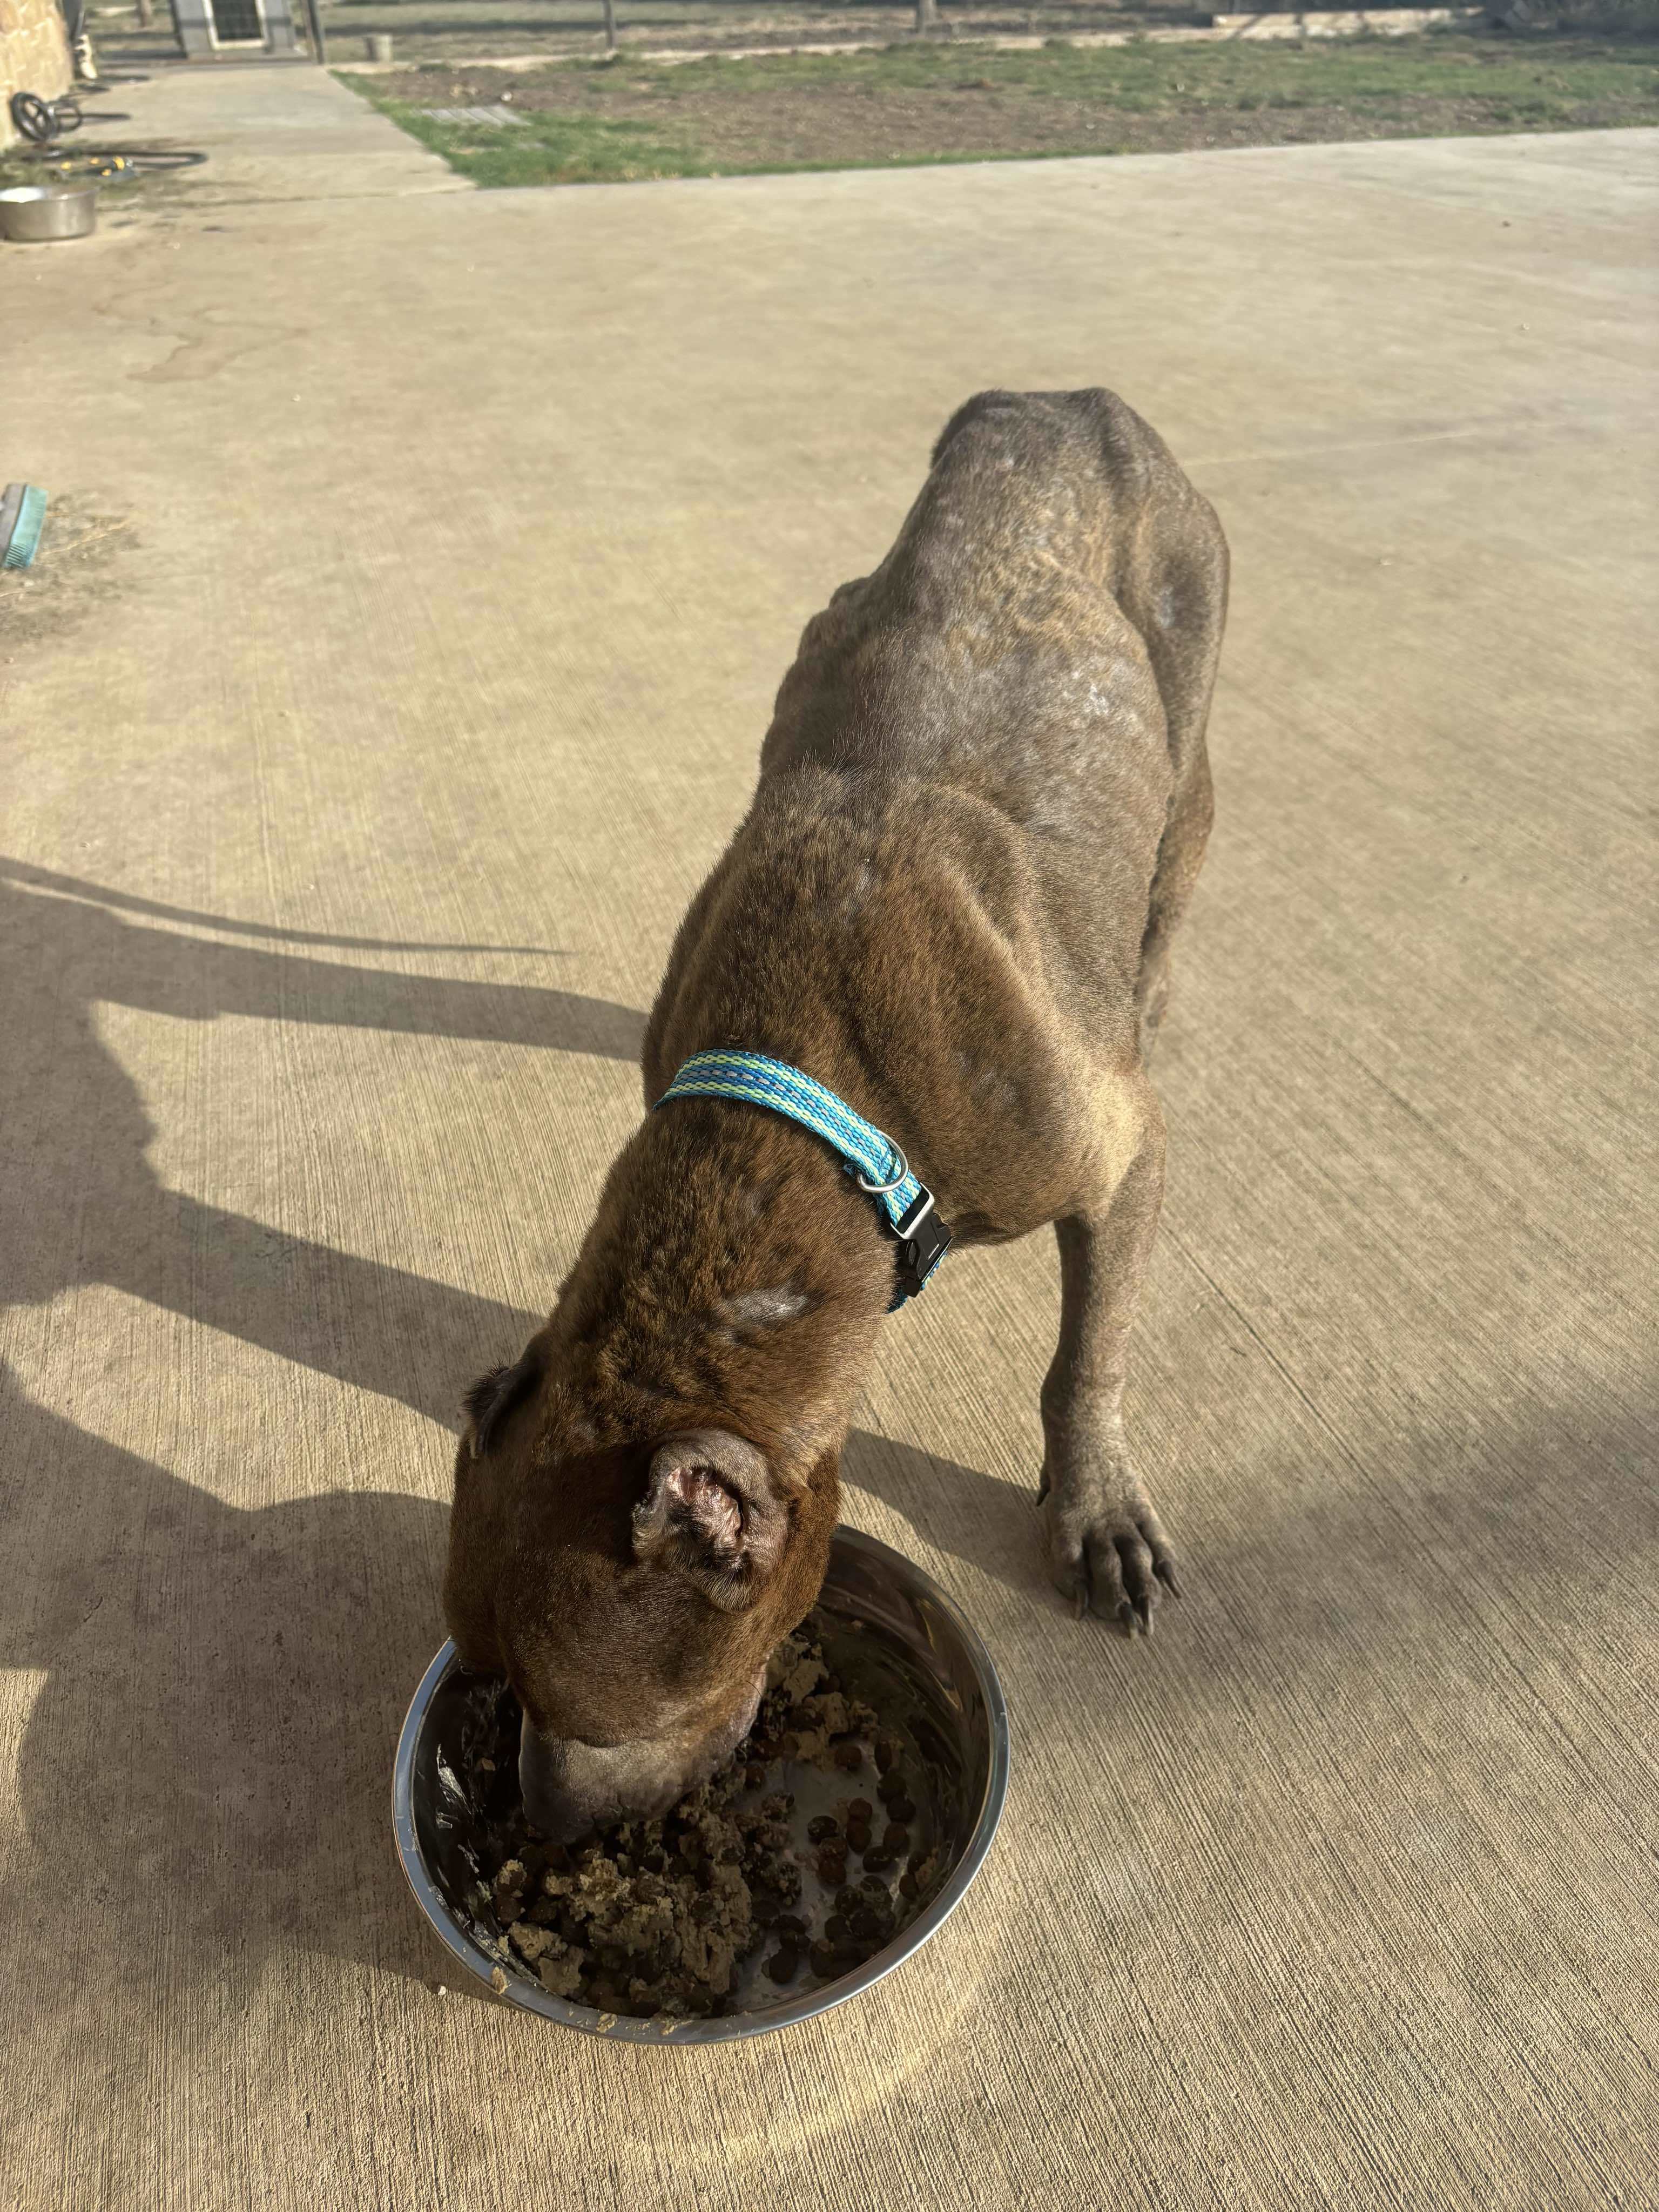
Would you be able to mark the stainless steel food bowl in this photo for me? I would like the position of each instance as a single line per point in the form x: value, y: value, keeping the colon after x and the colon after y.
x: 910, y: 1646
x: 35, y: 213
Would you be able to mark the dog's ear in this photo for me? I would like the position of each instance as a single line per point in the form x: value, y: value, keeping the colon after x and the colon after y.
x: 713, y: 1512
x: 493, y: 1397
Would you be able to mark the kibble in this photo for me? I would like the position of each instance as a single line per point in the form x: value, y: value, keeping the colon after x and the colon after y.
x: 820, y: 1829
x: 848, y: 1756
x: 895, y: 1837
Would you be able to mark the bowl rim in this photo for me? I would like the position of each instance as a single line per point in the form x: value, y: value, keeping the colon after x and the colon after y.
x: 625, y: 2027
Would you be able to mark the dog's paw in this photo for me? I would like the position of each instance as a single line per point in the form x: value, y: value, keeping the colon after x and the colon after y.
x: 1110, y: 1556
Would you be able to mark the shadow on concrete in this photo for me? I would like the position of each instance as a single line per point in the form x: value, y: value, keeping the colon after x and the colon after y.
x: 223, y: 1689
x: 990, y: 1523
x: 29, y: 877
x: 82, y: 1204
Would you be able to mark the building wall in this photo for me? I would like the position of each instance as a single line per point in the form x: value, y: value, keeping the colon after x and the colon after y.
x: 34, y: 55
x: 193, y: 21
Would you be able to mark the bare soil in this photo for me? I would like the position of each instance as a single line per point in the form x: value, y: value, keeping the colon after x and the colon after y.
x: 634, y: 119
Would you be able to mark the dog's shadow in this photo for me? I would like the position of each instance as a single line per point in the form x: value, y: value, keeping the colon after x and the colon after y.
x: 205, y: 1770
x: 990, y: 1523
x: 80, y: 1200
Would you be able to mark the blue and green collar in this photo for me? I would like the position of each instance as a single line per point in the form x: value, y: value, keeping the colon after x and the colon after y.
x: 867, y: 1153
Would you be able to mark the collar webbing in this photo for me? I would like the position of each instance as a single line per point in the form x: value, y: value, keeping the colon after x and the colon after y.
x: 866, y: 1152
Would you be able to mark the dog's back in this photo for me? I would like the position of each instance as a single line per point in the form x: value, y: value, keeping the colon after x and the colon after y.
x: 983, y: 795
x: 1052, y: 604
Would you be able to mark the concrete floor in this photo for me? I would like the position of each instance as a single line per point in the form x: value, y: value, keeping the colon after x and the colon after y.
x: 440, y: 553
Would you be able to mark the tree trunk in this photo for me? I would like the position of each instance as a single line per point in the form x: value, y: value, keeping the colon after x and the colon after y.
x: 610, y: 26
x: 146, y: 15
x: 927, y: 15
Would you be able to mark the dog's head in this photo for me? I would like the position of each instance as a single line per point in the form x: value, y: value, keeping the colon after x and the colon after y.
x: 631, y: 1592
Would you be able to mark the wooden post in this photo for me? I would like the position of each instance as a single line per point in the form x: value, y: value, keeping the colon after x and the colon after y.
x: 146, y: 15
x: 926, y: 16
x: 610, y: 26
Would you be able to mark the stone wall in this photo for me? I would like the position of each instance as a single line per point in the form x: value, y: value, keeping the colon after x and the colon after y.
x: 34, y: 55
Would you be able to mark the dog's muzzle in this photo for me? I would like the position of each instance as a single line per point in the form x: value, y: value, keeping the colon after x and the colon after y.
x: 571, y: 1788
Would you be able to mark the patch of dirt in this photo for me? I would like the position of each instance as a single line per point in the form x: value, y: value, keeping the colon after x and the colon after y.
x: 83, y: 551
x: 869, y: 125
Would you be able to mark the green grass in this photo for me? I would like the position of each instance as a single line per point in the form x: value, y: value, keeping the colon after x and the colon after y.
x: 550, y: 149
x: 627, y: 119
x: 1192, y: 75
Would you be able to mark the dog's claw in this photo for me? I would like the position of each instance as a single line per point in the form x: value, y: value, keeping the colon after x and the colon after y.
x: 1113, y: 1561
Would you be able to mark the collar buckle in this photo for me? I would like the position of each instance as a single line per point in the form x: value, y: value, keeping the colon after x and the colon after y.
x: 923, y: 1241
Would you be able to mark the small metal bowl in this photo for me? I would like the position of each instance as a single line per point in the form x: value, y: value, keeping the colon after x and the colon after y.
x: 33, y: 215
x: 909, y: 1641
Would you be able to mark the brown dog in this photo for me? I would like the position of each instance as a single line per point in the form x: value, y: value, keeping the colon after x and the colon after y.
x: 982, y: 805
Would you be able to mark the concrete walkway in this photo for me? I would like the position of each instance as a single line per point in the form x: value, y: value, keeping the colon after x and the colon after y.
x: 438, y: 553
x: 271, y: 130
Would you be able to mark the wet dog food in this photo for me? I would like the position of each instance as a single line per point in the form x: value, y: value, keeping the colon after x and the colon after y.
x: 667, y: 1916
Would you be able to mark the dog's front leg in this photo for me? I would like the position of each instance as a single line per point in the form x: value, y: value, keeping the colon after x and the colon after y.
x: 1107, y: 1551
